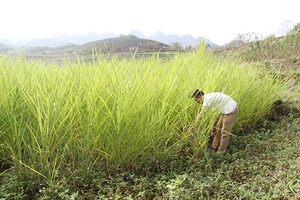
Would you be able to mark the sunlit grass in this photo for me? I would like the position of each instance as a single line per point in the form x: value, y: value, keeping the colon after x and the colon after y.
x: 117, y: 114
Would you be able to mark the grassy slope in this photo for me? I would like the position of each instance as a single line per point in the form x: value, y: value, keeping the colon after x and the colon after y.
x: 263, y: 164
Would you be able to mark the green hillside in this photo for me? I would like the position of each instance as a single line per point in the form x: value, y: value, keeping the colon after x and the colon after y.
x: 123, y: 44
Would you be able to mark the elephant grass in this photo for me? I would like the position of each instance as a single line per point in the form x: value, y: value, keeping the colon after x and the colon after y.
x: 115, y: 114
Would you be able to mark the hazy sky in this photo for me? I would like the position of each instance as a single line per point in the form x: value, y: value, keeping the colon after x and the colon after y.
x: 217, y: 20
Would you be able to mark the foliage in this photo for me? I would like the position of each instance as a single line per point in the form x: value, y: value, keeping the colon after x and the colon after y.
x: 79, y: 124
x: 261, y: 165
x: 123, y: 44
x: 274, y: 48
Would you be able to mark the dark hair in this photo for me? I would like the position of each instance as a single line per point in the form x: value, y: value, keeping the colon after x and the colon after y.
x: 196, y: 93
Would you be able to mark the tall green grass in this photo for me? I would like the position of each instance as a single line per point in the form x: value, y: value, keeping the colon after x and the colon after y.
x: 117, y: 114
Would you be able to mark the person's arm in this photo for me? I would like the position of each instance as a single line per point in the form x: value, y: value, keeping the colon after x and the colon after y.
x: 197, y: 119
x: 201, y: 113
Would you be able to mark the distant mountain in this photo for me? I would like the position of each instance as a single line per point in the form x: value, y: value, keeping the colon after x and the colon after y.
x: 138, y: 34
x: 45, y: 42
x: 66, y: 39
x: 185, y: 40
x: 118, y: 45
x: 4, y: 48
x: 121, y: 44
x: 84, y: 38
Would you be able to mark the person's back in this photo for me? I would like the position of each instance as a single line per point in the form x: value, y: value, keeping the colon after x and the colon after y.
x: 222, y: 102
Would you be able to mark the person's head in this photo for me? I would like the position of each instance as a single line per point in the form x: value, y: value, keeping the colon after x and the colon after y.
x: 198, y: 95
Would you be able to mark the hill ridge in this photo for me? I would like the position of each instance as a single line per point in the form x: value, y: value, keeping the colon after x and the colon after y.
x: 79, y: 39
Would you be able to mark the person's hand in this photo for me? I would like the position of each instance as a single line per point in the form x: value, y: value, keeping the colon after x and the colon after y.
x: 212, y: 131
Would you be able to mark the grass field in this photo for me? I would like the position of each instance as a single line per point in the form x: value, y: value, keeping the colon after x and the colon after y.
x: 262, y: 161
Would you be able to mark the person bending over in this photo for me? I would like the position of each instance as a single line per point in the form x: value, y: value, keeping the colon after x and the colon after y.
x: 228, y: 110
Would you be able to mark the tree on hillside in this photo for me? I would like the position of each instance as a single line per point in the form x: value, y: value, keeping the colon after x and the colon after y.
x: 249, y: 37
x: 176, y: 45
x: 296, y: 28
x: 286, y: 27
x: 188, y: 48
